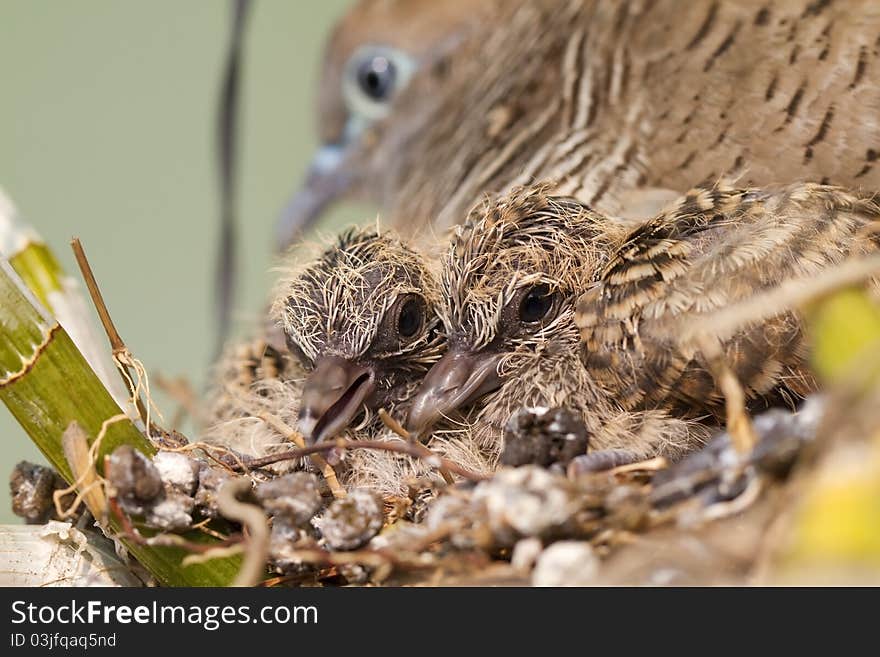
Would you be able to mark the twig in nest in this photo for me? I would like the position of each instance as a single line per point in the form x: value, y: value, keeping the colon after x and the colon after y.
x: 131, y: 533
x: 394, y: 426
x: 382, y: 561
x: 741, y: 502
x: 400, y: 447
x: 326, y: 469
x: 657, y: 463
x: 86, y: 482
x: 256, y: 554
x: 213, y: 553
x: 125, y: 361
x: 742, y: 433
x: 776, y: 532
x: 443, y: 531
x: 208, y: 448
x: 792, y: 294
x: 81, y: 458
x: 294, y: 579
x: 205, y: 529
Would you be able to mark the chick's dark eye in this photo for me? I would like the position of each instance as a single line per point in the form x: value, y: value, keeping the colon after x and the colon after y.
x: 536, y: 304
x: 376, y: 76
x: 411, y: 317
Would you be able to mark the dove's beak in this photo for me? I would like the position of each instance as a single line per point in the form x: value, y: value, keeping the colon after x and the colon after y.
x: 326, y: 181
x: 334, y: 394
x: 455, y: 381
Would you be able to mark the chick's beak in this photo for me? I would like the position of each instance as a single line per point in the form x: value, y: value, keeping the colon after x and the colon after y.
x: 334, y: 393
x: 455, y: 381
x: 326, y: 181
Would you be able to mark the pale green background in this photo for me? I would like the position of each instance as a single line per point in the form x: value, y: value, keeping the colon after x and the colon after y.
x: 106, y: 132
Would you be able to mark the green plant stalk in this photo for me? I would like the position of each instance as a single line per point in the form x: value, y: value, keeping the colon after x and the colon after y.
x: 39, y: 269
x: 58, y: 292
x: 46, y: 383
x: 29, y: 256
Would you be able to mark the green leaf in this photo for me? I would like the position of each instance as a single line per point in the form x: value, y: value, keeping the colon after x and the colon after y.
x: 46, y: 383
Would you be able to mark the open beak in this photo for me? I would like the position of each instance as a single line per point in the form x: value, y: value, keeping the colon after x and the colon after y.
x: 455, y: 381
x: 325, y: 182
x: 334, y: 393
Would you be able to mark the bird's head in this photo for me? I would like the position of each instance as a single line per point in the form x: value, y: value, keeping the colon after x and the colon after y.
x: 509, y: 282
x: 385, y: 59
x: 362, y: 321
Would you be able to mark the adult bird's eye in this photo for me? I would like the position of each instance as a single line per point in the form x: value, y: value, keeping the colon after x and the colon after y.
x: 536, y: 304
x: 376, y: 76
x: 411, y: 317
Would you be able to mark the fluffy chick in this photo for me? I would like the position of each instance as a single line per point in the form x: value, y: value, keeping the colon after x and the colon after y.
x: 362, y: 322
x: 353, y: 331
x: 252, y: 377
x: 518, y: 336
x: 509, y: 283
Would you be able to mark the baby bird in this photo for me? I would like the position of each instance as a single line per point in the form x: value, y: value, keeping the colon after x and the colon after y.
x: 362, y: 322
x: 358, y: 330
x: 549, y: 303
x: 711, y: 249
x: 509, y: 284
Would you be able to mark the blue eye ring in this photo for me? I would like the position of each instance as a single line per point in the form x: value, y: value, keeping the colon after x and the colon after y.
x: 374, y: 76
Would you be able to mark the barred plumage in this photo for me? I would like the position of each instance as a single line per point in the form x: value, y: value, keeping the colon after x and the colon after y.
x: 715, y: 247
x: 604, y: 97
x: 608, y: 343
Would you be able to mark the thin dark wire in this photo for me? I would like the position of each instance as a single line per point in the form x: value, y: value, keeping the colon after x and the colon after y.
x: 227, y: 158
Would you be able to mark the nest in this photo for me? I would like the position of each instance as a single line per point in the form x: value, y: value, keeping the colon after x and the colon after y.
x: 705, y: 519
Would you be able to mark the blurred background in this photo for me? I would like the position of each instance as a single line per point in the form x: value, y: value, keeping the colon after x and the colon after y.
x: 107, y: 133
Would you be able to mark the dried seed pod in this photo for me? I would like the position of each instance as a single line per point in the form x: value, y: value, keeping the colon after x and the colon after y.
x: 527, y: 501
x: 351, y: 522
x: 355, y: 573
x: 525, y: 554
x: 566, y: 563
x: 400, y: 536
x: 172, y: 513
x: 457, y: 510
x: 715, y: 473
x: 31, y: 487
x: 295, y: 497
x: 135, y: 478
x: 179, y: 472
x: 782, y: 437
x: 543, y: 436
x: 210, y: 480
x: 284, y: 542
